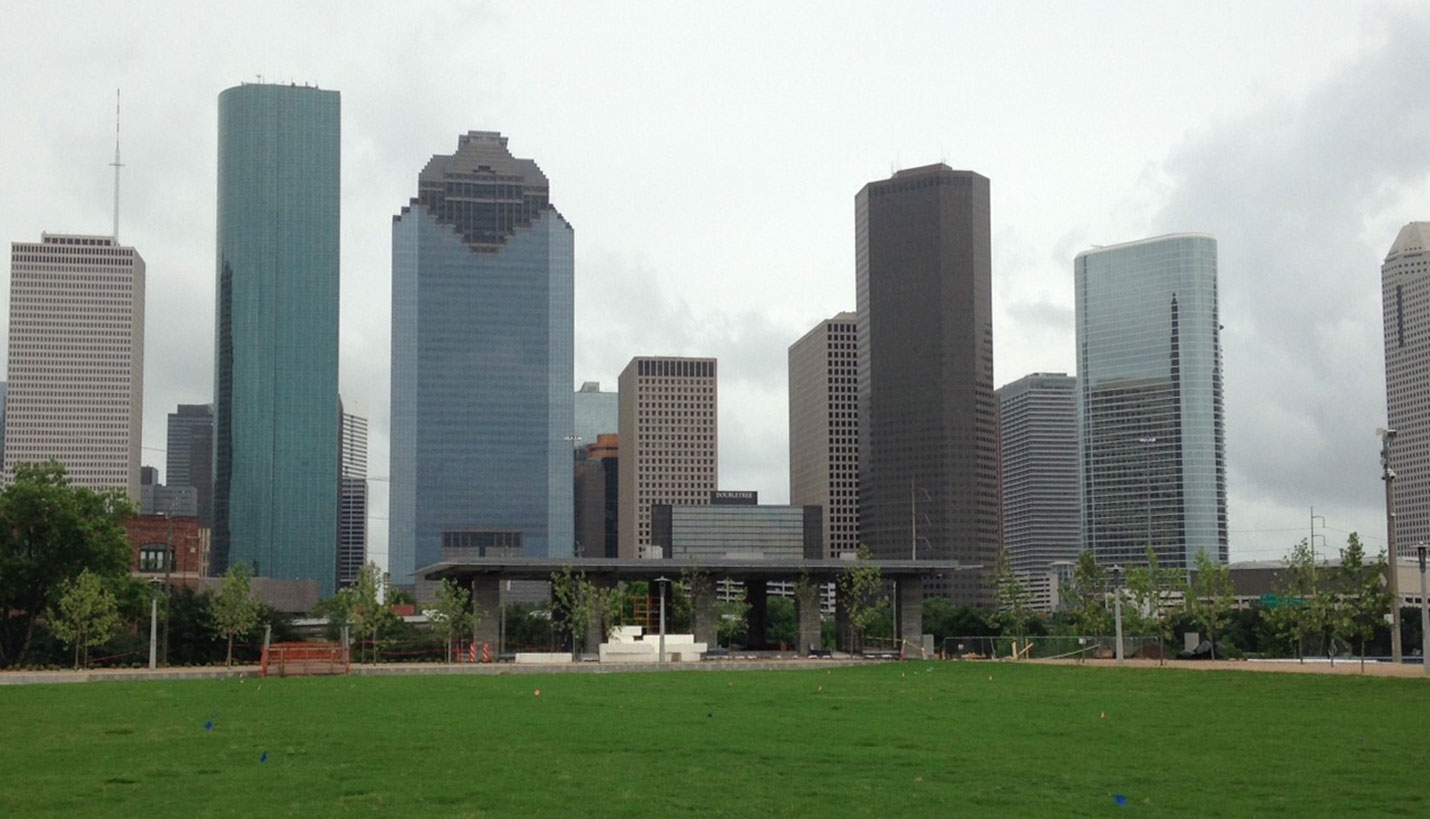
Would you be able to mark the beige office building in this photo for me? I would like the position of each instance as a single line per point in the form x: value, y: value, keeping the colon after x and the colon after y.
x: 1405, y: 293
x: 669, y: 446
x: 824, y: 428
x: 76, y: 359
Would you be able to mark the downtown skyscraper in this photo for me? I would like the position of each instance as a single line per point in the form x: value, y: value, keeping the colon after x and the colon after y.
x: 1405, y: 298
x: 482, y: 361
x: 1037, y: 471
x: 669, y: 442
x: 276, y: 351
x: 824, y: 428
x: 76, y: 359
x: 928, y: 472
x: 1151, y: 435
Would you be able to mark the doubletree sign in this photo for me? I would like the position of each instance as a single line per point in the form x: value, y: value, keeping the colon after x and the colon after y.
x: 1272, y: 601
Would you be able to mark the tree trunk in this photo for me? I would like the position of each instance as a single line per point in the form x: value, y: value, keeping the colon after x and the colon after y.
x: 229, y: 660
x: 1362, y: 654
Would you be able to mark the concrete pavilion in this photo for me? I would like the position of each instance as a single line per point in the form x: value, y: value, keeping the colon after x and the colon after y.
x: 484, y: 577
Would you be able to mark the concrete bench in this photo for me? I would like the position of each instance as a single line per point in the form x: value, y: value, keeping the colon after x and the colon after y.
x: 543, y: 657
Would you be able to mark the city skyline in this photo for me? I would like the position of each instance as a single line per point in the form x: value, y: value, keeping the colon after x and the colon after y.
x: 1262, y: 130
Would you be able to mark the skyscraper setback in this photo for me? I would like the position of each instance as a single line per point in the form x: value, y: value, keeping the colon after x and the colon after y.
x: 824, y: 428
x: 276, y: 351
x: 482, y: 359
x: 1151, y: 439
x: 927, y: 459
x: 1405, y: 298
x: 76, y: 359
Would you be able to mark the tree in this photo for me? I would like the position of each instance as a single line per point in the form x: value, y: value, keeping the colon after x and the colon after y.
x: 86, y: 614
x: 1294, y: 616
x: 731, y: 618
x: 451, y: 617
x: 857, y: 586
x: 1151, y: 587
x: 1210, y: 596
x: 1363, y: 594
x: 571, y: 606
x: 234, y: 610
x: 1010, y: 598
x: 1085, y: 597
x: 50, y: 533
x: 370, y: 612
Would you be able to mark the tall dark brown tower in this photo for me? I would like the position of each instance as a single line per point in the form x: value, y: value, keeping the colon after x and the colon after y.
x: 928, y: 479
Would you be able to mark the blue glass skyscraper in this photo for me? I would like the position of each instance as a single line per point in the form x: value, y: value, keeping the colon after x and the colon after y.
x: 1151, y: 436
x: 482, y: 361
x: 276, y: 351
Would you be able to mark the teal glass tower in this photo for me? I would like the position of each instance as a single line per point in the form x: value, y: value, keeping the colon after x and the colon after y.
x: 276, y: 347
x: 1151, y: 434
x: 482, y: 361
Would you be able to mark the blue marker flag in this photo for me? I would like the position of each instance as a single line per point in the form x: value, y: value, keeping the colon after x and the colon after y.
x: 264, y: 757
x: 1119, y: 799
x: 209, y: 726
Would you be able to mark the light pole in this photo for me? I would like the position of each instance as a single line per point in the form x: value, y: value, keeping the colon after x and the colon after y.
x: 1424, y: 614
x: 1388, y: 475
x: 1147, y: 441
x: 154, y: 623
x: 662, y: 581
x: 1117, y: 609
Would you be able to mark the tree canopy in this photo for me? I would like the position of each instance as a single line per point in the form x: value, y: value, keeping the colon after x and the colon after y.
x: 50, y: 533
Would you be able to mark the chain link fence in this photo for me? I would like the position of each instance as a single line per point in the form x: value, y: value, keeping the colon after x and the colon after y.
x: 1042, y: 647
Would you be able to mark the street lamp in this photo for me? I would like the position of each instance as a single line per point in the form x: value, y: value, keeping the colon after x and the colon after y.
x: 1393, y: 580
x: 1424, y: 614
x: 1117, y: 609
x: 154, y: 584
x: 662, y: 581
x: 1147, y: 441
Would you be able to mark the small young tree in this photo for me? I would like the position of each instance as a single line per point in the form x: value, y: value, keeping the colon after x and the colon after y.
x: 1010, y: 598
x: 1151, y: 587
x: 858, y: 584
x: 1210, y: 596
x: 1085, y: 597
x: 234, y: 610
x: 1294, y: 616
x: 451, y: 617
x: 731, y: 619
x: 86, y: 614
x: 370, y: 612
x: 571, y: 606
x: 1364, y: 594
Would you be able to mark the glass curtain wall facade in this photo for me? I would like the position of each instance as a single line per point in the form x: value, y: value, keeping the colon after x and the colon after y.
x: 276, y: 372
x: 928, y: 463
x: 482, y: 358
x: 1151, y: 436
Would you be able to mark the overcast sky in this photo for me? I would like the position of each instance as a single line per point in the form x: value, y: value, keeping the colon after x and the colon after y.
x: 708, y: 156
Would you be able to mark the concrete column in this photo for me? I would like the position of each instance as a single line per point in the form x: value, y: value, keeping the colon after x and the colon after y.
x: 756, y: 594
x: 806, y: 604
x: 704, y: 617
x: 910, y: 612
x: 486, y: 597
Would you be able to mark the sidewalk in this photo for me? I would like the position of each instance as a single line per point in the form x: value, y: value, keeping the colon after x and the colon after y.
x: 409, y: 669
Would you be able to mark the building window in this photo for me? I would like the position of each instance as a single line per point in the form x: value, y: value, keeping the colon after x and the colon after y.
x: 156, y: 557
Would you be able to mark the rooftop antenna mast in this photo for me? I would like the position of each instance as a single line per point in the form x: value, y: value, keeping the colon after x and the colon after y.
x: 116, y: 164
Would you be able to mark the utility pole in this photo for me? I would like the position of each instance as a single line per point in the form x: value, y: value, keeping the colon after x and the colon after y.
x: 1393, y: 575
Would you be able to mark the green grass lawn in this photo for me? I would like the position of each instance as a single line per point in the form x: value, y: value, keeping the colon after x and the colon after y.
x: 915, y: 739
